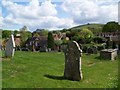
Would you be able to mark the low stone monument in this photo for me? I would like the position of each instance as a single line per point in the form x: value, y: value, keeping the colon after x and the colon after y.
x: 110, y: 54
x: 72, y: 69
x: 10, y: 47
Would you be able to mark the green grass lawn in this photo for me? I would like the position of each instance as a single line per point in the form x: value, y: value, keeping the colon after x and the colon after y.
x: 45, y: 70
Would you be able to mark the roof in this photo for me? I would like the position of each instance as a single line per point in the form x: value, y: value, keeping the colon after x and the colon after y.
x: 41, y: 38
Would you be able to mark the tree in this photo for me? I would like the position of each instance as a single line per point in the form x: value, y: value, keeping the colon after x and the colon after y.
x: 65, y: 41
x: 110, y: 27
x: 99, y: 40
x: 24, y: 35
x: 58, y: 43
x: 16, y: 32
x: 50, y: 40
x: 70, y: 34
x: 44, y: 32
x: 6, y: 33
x: 85, y: 35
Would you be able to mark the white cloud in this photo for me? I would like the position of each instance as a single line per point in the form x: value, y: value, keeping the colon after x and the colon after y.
x: 45, y: 15
x: 119, y: 13
x: 34, y: 15
x: 84, y: 11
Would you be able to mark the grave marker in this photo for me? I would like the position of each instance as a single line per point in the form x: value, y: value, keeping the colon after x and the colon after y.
x: 73, y: 62
x: 10, y: 47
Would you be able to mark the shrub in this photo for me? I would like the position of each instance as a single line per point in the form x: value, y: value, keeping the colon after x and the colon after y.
x: 99, y: 40
x: 101, y: 47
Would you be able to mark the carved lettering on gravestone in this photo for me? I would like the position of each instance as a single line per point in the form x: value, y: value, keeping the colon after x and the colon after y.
x: 10, y: 47
x: 73, y: 61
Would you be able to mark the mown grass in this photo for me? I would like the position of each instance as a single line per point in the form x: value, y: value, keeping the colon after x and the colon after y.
x: 0, y: 69
x: 45, y: 70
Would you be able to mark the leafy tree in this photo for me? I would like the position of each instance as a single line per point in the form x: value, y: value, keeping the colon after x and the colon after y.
x: 24, y: 35
x: 6, y: 33
x: 99, y: 40
x: 16, y: 32
x: 40, y: 32
x: 85, y: 35
x: 76, y: 37
x: 64, y: 30
x: 58, y: 42
x: 50, y: 40
x: 44, y: 32
x: 64, y: 41
x: 70, y: 34
x: 110, y: 27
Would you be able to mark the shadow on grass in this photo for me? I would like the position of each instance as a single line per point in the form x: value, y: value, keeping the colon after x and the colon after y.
x: 55, y: 77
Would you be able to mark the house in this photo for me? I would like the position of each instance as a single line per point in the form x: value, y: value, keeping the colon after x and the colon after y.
x: 17, y: 41
x: 59, y: 36
x: 108, y: 34
x: 112, y: 36
x: 37, y: 43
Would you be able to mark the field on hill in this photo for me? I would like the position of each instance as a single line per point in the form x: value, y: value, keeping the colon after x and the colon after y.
x: 95, y: 28
x: 45, y: 70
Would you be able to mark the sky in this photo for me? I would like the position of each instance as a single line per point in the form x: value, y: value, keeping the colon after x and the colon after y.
x: 55, y: 14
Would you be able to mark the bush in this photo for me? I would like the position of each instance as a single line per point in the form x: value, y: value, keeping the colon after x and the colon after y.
x: 101, y: 47
x: 99, y: 40
x: 85, y: 49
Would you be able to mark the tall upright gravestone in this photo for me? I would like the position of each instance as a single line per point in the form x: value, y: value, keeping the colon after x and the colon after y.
x: 10, y: 47
x: 72, y: 69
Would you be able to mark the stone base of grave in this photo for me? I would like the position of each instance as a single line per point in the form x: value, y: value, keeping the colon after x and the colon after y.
x: 110, y: 54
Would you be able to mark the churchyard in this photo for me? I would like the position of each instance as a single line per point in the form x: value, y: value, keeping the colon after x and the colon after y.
x: 61, y: 59
x: 46, y: 70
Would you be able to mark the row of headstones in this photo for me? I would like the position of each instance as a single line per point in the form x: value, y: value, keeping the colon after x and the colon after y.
x: 72, y: 58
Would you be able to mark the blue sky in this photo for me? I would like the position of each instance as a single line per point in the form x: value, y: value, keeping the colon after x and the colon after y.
x: 56, y: 14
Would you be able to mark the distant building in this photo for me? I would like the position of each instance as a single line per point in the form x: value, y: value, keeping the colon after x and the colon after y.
x: 17, y: 40
x: 60, y: 36
x: 111, y: 36
x: 37, y: 43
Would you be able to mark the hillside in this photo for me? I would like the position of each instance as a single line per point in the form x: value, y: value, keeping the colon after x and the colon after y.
x: 95, y: 28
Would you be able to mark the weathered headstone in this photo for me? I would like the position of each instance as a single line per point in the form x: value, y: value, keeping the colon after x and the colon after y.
x: 94, y: 48
x: 10, y: 47
x: 72, y: 69
x: 90, y: 50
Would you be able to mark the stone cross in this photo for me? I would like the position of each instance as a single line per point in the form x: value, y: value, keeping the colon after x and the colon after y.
x: 10, y: 47
x: 72, y: 69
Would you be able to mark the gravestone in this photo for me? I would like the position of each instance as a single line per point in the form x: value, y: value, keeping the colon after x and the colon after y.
x: 72, y: 69
x: 10, y: 47
x: 94, y: 48
x: 90, y: 50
